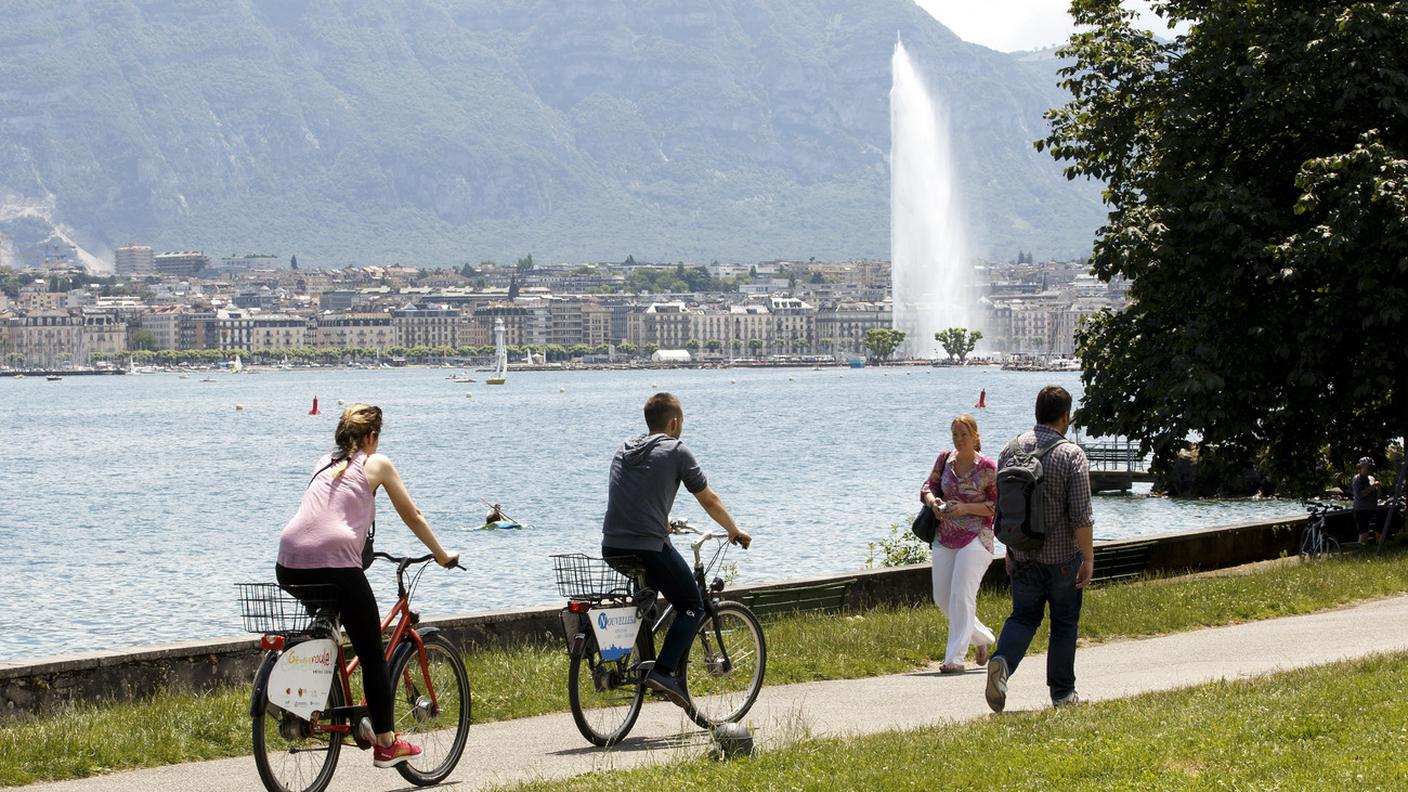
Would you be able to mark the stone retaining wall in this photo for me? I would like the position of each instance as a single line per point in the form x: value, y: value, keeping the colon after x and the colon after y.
x: 48, y: 684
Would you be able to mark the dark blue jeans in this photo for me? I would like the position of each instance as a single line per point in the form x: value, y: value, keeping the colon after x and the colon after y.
x: 1034, y: 586
x: 667, y: 572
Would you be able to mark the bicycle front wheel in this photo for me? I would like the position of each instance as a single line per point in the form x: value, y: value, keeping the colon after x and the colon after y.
x: 290, y: 755
x: 725, y: 666
x: 605, y: 695
x: 430, y: 705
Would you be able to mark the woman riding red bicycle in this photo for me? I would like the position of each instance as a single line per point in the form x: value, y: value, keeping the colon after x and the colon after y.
x: 322, y: 546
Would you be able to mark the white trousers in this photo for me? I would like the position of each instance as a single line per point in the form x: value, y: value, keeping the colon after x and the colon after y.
x: 957, y: 575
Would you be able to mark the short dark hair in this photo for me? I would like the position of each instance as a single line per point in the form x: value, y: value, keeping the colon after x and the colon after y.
x: 660, y: 408
x: 1051, y: 404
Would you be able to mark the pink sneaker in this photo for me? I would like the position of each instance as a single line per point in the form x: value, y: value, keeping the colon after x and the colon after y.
x: 399, y: 752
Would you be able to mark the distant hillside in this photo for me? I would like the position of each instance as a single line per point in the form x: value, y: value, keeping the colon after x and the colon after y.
x: 440, y: 132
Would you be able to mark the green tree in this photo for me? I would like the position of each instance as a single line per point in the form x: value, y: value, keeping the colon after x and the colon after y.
x: 524, y: 264
x: 142, y: 339
x: 713, y: 345
x: 1257, y: 179
x: 692, y: 345
x: 882, y: 342
x: 755, y: 344
x: 958, y: 342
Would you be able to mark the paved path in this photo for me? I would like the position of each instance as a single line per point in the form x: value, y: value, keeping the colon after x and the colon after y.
x: 549, y: 746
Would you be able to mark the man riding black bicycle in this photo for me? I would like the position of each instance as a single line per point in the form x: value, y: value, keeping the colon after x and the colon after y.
x: 645, y: 477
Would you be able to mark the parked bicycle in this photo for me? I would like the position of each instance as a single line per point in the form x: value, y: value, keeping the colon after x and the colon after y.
x: 613, y: 622
x: 1315, y: 540
x: 301, y: 704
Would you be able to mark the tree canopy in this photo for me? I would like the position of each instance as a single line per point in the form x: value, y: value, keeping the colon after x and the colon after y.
x: 958, y: 341
x: 1257, y: 186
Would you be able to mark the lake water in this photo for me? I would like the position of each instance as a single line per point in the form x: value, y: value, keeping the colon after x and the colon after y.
x: 130, y: 506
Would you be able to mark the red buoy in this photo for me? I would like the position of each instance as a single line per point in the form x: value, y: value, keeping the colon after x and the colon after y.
x: 314, y: 411
x: 982, y: 398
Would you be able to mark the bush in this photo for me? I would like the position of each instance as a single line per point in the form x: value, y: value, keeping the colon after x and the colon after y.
x: 900, y: 548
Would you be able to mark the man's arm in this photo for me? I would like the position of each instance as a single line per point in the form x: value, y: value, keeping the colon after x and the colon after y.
x: 1078, y: 511
x: 714, y: 506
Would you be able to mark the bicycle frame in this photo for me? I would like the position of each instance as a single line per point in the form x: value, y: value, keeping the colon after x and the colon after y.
x: 645, y: 611
x: 405, y: 620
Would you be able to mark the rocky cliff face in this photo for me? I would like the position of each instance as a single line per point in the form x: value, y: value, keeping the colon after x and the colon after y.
x: 438, y: 132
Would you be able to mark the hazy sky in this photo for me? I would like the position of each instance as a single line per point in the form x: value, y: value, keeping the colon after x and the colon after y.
x: 1008, y: 25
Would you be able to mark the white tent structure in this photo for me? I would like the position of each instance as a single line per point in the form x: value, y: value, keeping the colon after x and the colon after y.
x: 671, y: 356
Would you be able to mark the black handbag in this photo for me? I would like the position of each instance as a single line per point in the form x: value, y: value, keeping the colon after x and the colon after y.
x: 925, y: 525
x: 367, y: 547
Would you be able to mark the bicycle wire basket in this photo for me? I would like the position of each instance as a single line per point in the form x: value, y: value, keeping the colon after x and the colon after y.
x: 265, y: 608
x: 584, y: 577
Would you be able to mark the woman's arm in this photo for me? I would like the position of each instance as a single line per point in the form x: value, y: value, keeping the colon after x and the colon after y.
x: 381, y: 473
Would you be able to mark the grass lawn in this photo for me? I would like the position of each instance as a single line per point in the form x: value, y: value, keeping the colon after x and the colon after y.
x: 170, y: 728
x: 1342, y: 726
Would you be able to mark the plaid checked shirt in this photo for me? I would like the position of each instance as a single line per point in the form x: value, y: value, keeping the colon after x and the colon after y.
x: 1067, y: 496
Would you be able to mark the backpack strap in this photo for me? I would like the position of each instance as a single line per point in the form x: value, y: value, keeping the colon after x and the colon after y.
x: 1042, y: 452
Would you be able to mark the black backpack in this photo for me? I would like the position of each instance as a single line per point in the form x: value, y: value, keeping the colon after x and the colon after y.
x: 1019, y: 520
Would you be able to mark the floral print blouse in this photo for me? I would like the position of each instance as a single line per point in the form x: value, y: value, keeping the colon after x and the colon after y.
x: 978, y: 485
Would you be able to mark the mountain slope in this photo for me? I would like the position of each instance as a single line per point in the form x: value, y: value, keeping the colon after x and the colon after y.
x: 438, y: 132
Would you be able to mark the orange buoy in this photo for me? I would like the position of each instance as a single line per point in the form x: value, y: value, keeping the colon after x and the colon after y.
x: 982, y: 399
x: 314, y: 411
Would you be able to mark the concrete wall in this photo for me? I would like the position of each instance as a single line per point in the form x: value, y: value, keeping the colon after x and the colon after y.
x: 47, y: 685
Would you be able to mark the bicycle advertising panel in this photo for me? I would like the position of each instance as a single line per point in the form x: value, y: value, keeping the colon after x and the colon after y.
x: 303, y: 676
x: 615, y: 630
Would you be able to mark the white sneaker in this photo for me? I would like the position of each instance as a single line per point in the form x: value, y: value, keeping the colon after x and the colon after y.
x: 996, y: 692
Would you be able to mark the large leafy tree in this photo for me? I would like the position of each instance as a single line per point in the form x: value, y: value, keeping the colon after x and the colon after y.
x: 1257, y: 178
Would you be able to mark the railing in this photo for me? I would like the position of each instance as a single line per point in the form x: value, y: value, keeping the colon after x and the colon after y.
x: 1114, y: 455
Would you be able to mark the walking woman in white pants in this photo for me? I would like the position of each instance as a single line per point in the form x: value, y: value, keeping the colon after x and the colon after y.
x: 961, y: 491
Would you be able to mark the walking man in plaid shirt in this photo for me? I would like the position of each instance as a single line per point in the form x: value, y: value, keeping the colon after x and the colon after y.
x: 1057, y: 573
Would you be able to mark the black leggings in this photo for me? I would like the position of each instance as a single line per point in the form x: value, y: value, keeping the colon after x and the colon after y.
x: 362, y: 621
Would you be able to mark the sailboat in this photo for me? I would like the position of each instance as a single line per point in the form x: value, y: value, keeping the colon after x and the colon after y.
x: 236, y: 367
x: 500, y: 375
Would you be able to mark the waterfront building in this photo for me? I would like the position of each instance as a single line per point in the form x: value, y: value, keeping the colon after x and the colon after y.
x: 46, y: 338
x: 793, y: 325
x: 164, y: 323
x: 103, y: 332
x: 666, y: 325
x: 248, y: 331
x: 525, y: 322
x: 429, y: 327
x: 354, y: 331
x: 134, y: 259
x: 185, y: 263
x: 841, y: 326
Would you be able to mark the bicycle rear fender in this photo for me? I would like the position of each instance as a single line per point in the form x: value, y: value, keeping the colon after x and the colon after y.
x: 261, y: 682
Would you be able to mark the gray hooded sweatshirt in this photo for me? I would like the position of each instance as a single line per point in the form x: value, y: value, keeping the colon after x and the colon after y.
x: 646, y: 473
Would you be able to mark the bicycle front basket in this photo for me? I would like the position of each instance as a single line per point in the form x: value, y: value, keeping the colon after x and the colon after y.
x: 584, y: 577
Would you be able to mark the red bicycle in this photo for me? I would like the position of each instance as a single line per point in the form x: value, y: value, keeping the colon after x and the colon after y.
x: 301, y: 708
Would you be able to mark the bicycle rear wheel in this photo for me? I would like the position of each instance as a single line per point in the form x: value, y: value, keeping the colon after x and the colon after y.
x: 725, y: 666
x: 291, y: 757
x: 605, y: 695
x: 440, y: 727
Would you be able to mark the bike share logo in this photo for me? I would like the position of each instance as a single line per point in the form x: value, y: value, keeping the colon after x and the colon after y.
x: 603, y: 621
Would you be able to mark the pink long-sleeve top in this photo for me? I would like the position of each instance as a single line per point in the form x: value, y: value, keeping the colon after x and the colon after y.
x: 332, y: 521
x: 978, y: 485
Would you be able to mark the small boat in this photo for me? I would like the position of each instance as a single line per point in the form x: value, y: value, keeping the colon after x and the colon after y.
x: 501, y: 525
x: 53, y: 378
x: 183, y: 376
x: 207, y: 379
x: 462, y: 378
x: 857, y: 362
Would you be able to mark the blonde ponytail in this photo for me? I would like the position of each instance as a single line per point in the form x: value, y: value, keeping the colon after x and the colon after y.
x: 358, y: 422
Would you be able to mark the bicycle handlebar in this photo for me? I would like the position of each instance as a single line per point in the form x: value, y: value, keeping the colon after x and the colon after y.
x: 683, y: 527
x: 405, y: 561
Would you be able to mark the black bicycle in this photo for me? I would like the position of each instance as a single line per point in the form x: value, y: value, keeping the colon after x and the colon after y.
x: 1315, y: 540
x: 613, y: 622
